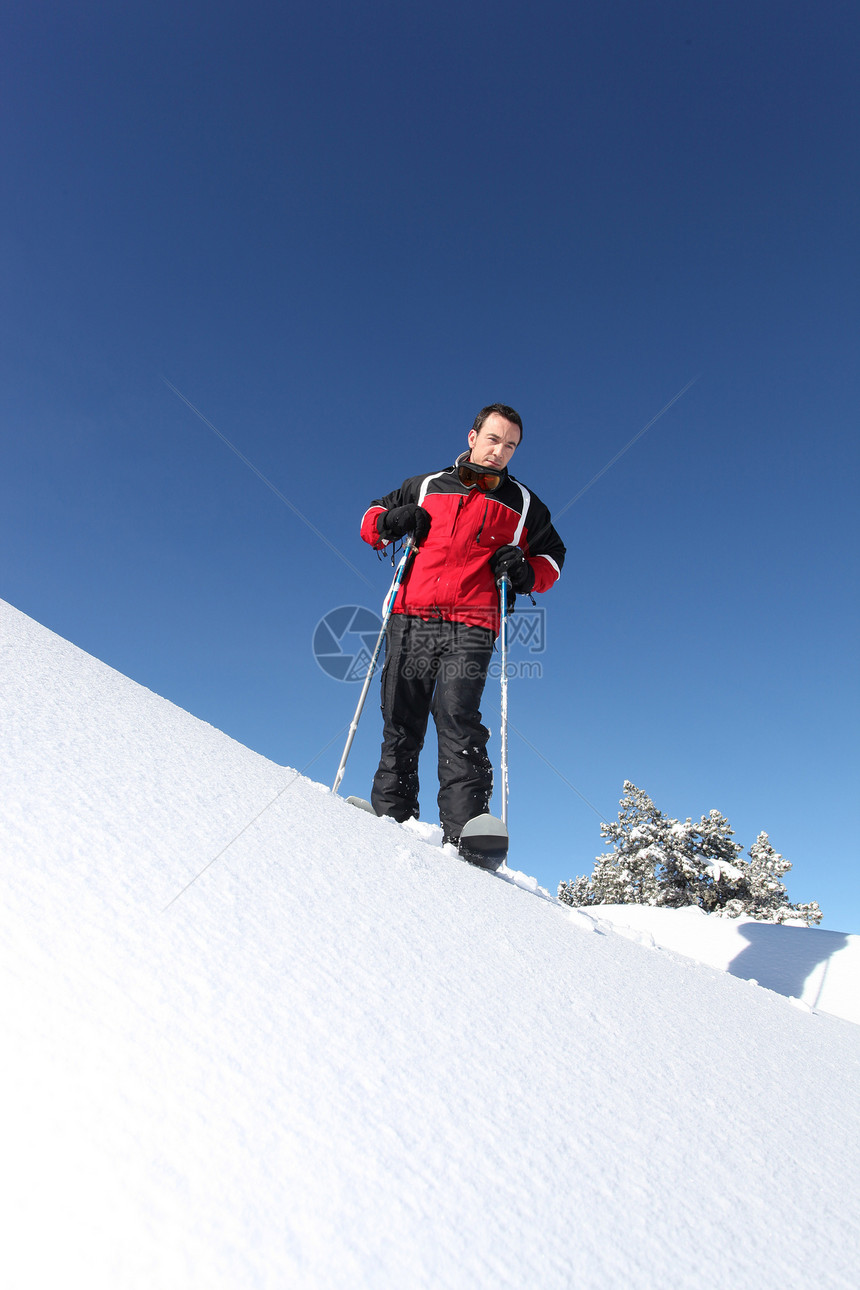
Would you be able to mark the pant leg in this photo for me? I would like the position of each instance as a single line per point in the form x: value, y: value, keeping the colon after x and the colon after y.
x: 408, y: 677
x: 465, y: 772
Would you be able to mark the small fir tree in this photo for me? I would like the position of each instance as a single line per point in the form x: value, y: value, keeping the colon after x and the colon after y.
x: 768, y: 897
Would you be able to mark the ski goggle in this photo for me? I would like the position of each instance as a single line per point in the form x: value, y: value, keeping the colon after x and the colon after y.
x: 485, y: 478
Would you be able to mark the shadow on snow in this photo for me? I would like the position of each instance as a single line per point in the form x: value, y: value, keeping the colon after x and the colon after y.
x: 784, y: 959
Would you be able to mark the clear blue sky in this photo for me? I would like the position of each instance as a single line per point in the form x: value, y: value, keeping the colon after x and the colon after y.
x: 339, y: 229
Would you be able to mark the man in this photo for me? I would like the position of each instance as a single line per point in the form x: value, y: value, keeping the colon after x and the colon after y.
x: 471, y: 523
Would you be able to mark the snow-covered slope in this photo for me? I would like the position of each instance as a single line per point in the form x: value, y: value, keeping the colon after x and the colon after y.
x: 253, y: 1037
x: 814, y: 968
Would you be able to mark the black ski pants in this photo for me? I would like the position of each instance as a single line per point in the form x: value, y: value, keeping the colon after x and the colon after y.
x: 439, y: 667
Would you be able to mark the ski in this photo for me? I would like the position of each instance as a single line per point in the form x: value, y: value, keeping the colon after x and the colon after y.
x: 484, y: 842
x: 362, y: 804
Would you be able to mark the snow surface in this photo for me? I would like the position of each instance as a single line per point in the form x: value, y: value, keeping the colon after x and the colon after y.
x: 254, y: 1037
x: 813, y: 968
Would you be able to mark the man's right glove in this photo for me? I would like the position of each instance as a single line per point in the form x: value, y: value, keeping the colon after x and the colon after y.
x: 402, y: 520
x: 511, y: 561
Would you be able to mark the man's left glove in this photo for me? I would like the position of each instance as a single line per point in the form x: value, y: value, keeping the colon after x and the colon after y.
x: 511, y: 561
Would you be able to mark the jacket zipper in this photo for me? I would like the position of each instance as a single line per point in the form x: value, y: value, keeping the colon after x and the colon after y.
x: 483, y: 522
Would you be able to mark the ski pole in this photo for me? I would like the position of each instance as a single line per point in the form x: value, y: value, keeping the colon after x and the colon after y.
x: 386, y: 614
x: 504, y: 584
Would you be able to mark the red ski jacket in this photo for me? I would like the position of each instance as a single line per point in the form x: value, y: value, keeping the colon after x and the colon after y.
x: 449, y: 575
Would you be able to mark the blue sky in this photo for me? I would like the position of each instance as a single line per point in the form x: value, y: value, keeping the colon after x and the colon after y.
x: 339, y: 230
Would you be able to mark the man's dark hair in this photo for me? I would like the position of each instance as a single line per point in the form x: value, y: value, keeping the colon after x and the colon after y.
x: 504, y: 411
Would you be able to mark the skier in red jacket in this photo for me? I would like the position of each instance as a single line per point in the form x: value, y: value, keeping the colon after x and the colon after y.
x: 471, y: 522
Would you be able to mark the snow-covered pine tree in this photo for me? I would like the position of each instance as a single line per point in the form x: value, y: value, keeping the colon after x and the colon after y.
x: 705, y: 869
x: 656, y: 860
x: 627, y: 874
x: 768, y: 898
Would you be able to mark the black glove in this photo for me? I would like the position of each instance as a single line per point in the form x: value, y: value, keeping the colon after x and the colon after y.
x: 403, y: 520
x: 511, y: 561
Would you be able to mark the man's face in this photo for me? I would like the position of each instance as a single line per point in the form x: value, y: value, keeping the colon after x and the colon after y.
x: 494, y: 444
